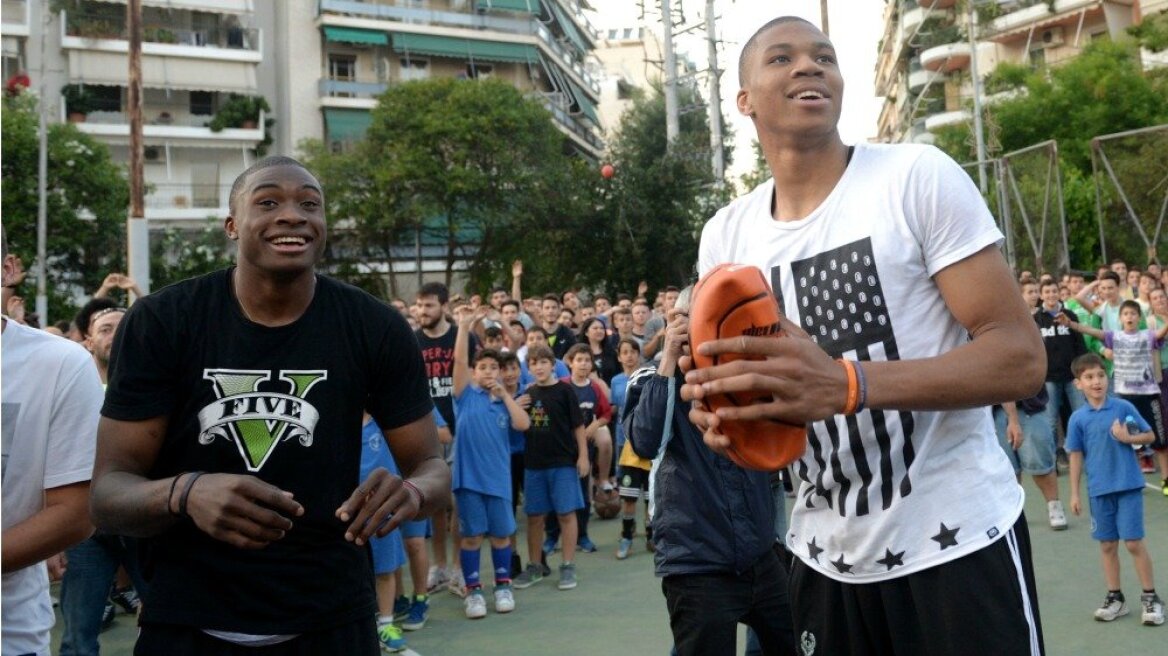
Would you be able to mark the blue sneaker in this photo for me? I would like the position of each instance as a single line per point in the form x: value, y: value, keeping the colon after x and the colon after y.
x: 549, y: 545
x: 622, y: 550
x: 585, y: 544
x: 390, y: 638
x: 419, y: 613
x: 401, y: 607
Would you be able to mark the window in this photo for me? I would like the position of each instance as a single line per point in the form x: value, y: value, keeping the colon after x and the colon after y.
x: 343, y: 67
x: 106, y: 99
x: 479, y: 71
x: 1037, y: 58
x: 202, y: 103
x: 414, y: 69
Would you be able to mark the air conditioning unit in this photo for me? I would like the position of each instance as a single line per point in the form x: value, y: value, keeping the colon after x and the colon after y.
x: 1052, y: 38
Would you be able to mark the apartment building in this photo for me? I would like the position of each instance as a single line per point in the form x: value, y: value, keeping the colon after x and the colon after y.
x: 925, y: 61
x: 196, y: 56
x: 347, y: 52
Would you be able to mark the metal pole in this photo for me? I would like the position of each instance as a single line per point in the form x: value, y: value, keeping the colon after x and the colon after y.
x: 137, y: 228
x: 672, y: 125
x: 42, y: 233
x: 719, y: 156
x: 977, y: 90
x: 823, y: 17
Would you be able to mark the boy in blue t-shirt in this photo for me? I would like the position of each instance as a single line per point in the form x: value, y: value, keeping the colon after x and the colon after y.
x: 482, y: 465
x: 1099, y: 438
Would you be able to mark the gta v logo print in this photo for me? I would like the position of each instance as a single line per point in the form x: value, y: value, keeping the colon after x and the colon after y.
x: 258, y: 421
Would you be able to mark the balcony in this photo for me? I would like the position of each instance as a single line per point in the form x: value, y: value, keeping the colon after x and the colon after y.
x: 177, y: 201
x: 1035, y: 14
x: 352, y: 94
x: 14, y: 14
x: 106, y: 33
x: 583, y: 136
x: 913, y: 18
x: 918, y: 79
x: 352, y: 13
x: 947, y: 58
x: 162, y: 128
x: 947, y: 118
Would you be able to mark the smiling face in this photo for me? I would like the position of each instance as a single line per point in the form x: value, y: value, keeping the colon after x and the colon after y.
x: 278, y: 220
x: 791, y: 82
x: 1050, y: 295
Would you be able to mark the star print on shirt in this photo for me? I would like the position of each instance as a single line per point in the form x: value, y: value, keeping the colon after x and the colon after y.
x: 813, y: 550
x: 947, y: 537
x: 840, y: 565
x: 891, y: 560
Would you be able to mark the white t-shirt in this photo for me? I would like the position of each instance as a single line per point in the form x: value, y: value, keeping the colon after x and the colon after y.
x: 883, y: 493
x: 51, y: 403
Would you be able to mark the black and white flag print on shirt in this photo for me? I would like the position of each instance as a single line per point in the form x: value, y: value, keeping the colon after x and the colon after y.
x: 842, y: 307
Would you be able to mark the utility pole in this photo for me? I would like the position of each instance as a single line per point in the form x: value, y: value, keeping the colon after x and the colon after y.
x: 823, y: 17
x: 978, y: 135
x: 718, y: 154
x: 137, y: 229
x: 42, y: 265
x: 672, y: 125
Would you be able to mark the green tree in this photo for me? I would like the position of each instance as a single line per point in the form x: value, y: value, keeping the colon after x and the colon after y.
x: 469, y: 160
x: 87, y: 202
x: 178, y: 254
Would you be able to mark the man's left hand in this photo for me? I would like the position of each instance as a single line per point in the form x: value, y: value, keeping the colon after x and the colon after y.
x: 380, y: 503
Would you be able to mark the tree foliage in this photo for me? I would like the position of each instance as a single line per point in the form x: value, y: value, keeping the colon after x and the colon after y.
x: 87, y: 201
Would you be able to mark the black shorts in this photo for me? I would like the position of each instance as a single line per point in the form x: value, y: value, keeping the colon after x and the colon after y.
x: 516, y: 479
x: 1148, y: 405
x: 983, y: 603
x: 633, y: 482
x: 358, y: 638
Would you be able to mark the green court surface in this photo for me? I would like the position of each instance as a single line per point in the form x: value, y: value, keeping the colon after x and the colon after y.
x: 618, y: 607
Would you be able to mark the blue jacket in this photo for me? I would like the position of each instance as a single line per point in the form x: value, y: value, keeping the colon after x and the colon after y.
x: 711, y: 516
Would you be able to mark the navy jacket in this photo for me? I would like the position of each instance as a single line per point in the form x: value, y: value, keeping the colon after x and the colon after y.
x: 711, y: 516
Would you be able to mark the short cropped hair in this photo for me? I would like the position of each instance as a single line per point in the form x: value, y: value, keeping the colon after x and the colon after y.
x: 1110, y: 275
x: 510, y: 301
x: 552, y: 297
x: 540, y: 352
x: 508, y: 358
x: 487, y: 354
x: 1131, y: 305
x: 267, y: 162
x: 435, y: 289
x: 1086, y: 362
x: 752, y: 44
x: 577, y: 349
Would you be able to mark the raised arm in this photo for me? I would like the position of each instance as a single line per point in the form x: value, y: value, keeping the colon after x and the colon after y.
x: 1086, y: 296
x: 1064, y: 320
x: 516, y: 282
x: 466, y: 319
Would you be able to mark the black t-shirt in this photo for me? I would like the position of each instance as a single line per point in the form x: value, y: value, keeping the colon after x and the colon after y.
x: 282, y: 404
x: 605, y: 364
x: 561, y: 340
x: 438, y: 356
x: 555, y: 415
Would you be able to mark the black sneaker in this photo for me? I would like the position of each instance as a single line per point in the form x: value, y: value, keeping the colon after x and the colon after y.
x: 127, y: 599
x: 107, y: 616
x: 516, y: 565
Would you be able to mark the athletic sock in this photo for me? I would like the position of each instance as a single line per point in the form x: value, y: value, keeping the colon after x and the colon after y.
x: 469, y: 559
x: 501, y: 559
x: 628, y: 525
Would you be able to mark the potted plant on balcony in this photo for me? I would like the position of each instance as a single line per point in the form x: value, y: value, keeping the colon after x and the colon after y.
x: 239, y: 112
x: 78, y: 102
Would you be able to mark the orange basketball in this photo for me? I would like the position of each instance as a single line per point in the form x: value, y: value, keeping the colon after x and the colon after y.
x: 733, y: 300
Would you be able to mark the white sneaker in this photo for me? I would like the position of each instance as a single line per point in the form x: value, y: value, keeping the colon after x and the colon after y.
x: 457, y: 585
x: 504, y: 599
x: 1113, y: 606
x: 1153, y: 614
x: 437, y: 578
x: 476, y: 605
x: 1058, y: 516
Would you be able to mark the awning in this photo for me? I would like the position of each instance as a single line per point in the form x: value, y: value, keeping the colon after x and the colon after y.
x: 111, y: 68
x: 456, y: 48
x: 584, y: 102
x: 567, y: 25
x: 346, y: 124
x: 354, y: 35
x: 216, y: 6
x: 529, y: 6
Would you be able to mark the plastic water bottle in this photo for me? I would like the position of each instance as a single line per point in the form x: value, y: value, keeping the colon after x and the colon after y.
x: 1133, y: 428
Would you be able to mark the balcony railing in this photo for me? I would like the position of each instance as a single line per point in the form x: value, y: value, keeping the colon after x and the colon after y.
x: 335, y: 88
x: 184, y: 196
x: 553, y: 103
x: 107, y: 27
x: 473, y: 21
x: 15, y: 13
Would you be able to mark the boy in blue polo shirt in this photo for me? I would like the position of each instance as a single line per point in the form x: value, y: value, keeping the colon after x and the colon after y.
x: 1099, y: 438
x: 482, y: 467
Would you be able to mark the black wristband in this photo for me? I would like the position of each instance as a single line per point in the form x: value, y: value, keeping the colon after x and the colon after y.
x: 170, y: 495
x: 186, y: 493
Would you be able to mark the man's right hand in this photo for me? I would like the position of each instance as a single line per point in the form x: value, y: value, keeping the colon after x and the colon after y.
x: 242, y: 511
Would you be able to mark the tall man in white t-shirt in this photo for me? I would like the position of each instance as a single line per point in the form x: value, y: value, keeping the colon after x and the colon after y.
x: 887, y: 257
x: 52, y: 401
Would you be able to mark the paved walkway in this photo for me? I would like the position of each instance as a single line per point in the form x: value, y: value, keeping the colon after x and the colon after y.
x: 618, y: 607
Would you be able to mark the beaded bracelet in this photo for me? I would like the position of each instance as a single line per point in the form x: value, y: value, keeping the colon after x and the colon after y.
x: 186, y: 493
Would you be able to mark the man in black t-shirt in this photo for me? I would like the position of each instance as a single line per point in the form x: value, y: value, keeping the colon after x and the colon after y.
x: 230, y: 437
